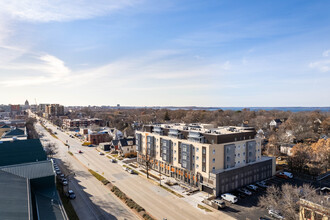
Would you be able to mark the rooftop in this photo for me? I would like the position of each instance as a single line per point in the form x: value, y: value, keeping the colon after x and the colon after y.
x: 205, y: 128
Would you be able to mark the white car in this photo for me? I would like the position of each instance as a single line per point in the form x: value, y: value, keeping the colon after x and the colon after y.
x: 275, y: 214
x: 229, y: 197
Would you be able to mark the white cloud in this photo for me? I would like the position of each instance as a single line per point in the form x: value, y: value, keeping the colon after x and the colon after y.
x: 323, y: 65
x: 60, y: 10
x: 50, y: 69
x: 326, y: 53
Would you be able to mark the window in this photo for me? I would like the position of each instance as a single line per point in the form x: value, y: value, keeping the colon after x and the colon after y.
x: 184, y: 157
x: 213, y: 168
x: 197, y: 157
x: 239, y: 162
x: 204, y: 151
x: 228, y: 159
x: 213, y: 160
x: 174, y: 158
x: 174, y: 144
x: 243, y: 153
x: 258, y: 150
x: 213, y: 151
x: 203, y: 160
x: 197, y: 149
x: 184, y: 148
x: 197, y: 166
x: 175, y: 151
x: 239, y: 155
x: 184, y: 164
x: 243, y: 161
x: 239, y: 146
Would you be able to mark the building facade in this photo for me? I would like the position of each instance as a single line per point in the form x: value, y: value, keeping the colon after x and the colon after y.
x: 216, y: 160
x: 81, y: 123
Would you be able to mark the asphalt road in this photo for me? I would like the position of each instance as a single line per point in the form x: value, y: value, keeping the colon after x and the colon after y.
x: 160, y: 203
x: 93, y: 199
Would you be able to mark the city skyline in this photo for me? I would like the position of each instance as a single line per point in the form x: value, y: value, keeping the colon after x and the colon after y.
x: 169, y: 53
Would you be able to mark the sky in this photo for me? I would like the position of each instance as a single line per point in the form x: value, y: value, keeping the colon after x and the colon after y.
x: 165, y: 53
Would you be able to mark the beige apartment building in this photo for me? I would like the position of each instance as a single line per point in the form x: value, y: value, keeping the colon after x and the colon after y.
x: 216, y: 160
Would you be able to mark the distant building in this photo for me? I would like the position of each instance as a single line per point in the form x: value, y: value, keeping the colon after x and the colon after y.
x: 275, y: 123
x: 27, y: 182
x: 15, y: 110
x: 215, y: 159
x: 54, y: 110
x: 81, y: 123
x: 42, y: 108
x: 286, y: 149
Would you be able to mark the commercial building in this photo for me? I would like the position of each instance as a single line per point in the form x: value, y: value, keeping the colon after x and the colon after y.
x: 80, y: 123
x: 97, y: 138
x: 216, y: 160
x: 27, y: 182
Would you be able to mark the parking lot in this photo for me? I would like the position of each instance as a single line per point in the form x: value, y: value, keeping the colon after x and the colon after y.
x: 247, y: 208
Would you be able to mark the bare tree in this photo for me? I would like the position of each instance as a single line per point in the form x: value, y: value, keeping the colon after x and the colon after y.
x: 51, y: 149
x: 286, y: 199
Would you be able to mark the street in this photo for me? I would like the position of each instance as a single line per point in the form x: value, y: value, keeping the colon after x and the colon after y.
x: 160, y: 203
x: 93, y: 199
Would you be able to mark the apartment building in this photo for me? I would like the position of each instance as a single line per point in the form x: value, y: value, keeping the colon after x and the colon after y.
x: 81, y: 123
x: 216, y: 160
x: 54, y: 110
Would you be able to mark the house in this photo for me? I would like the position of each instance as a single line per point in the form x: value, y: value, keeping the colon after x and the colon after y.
x: 115, y: 144
x: 27, y: 182
x: 275, y: 123
x: 312, y: 211
x: 286, y: 149
x: 127, y: 145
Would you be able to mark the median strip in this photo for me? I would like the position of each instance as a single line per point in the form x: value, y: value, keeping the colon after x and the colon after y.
x: 204, y: 208
x: 122, y: 196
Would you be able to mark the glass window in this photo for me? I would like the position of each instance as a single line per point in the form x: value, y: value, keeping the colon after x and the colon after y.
x: 174, y: 144
x: 239, y: 155
x: 174, y: 158
x: 213, y: 168
x: 213, y: 151
x: 204, y: 151
x: 197, y: 149
x: 197, y: 165
x: 243, y: 153
x: 197, y: 157
x: 213, y: 160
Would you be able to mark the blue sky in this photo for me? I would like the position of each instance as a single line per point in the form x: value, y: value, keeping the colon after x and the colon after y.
x: 178, y: 53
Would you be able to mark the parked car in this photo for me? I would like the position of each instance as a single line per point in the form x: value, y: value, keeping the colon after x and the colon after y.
x: 260, y: 184
x: 65, y: 183
x: 245, y: 191
x: 252, y: 187
x: 101, y: 153
x: 79, y: 151
x: 221, y: 204
x: 113, y: 160
x: 71, y: 194
x: 281, y: 175
x: 55, y: 132
x: 288, y: 174
x: 130, y: 171
x: 229, y: 197
x: 263, y: 218
x: 275, y: 214
x: 58, y: 172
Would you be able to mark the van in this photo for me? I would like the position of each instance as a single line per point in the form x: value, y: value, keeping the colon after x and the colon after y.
x: 220, y: 203
x: 229, y: 197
